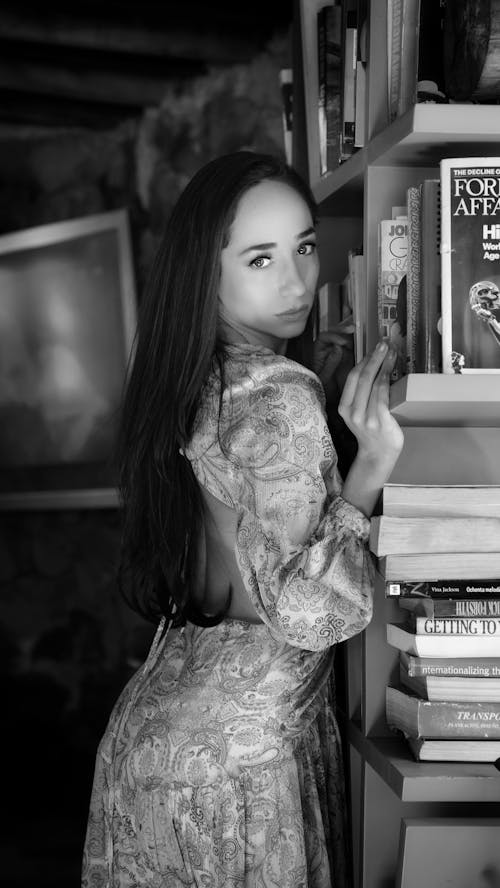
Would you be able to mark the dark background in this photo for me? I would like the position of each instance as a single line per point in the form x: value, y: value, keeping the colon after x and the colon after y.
x: 103, y: 105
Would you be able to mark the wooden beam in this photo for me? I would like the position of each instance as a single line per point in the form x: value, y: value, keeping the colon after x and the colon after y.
x: 168, y: 41
x: 92, y: 85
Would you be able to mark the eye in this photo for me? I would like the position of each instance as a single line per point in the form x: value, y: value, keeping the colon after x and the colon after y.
x: 307, y: 248
x: 260, y: 262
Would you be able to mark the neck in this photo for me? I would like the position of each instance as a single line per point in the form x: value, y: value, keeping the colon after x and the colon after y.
x: 231, y: 332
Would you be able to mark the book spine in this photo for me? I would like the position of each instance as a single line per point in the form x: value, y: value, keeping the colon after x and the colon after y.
x: 449, y: 607
x: 429, y: 344
x: 349, y: 57
x: 333, y: 85
x: 475, y: 626
x: 407, y: 92
x: 445, y: 719
x: 413, y: 289
x: 470, y: 252
x: 286, y: 88
x: 322, y: 65
x: 423, y: 718
x: 451, y: 667
x: 392, y: 265
x: 449, y: 588
x: 394, y: 13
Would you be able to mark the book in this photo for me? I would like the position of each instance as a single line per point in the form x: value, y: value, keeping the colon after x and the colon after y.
x: 467, y: 626
x: 408, y: 52
x: 431, y: 566
x: 428, y: 347
x: 452, y: 667
x: 426, y: 750
x: 451, y: 607
x: 413, y: 285
x: 360, y: 123
x: 430, y: 591
x: 329, y: 61
x: 329, y: 306
x: 402, y: 500
x: 357, y: 288
x: 391, y: 287
x: 459, y: 689
x: 286, y: 90
x: 429, y: 718
x: 404, y: 638
x: 390, y: 534
x: 348, y: 89
x: 394, y: 22
x: 470, y: 264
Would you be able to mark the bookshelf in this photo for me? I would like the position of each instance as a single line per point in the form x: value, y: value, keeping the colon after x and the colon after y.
x: 452, y: 435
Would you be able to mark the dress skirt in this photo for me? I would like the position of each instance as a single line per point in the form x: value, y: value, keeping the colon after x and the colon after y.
x: 221, y: 767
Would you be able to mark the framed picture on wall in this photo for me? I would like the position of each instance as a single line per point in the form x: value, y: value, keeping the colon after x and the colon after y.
x: 67, y: 324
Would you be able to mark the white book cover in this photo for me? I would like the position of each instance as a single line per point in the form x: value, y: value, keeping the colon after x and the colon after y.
x: 470, y: 264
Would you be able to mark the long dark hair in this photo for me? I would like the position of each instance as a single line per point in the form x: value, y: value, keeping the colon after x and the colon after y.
x: 177, y: 347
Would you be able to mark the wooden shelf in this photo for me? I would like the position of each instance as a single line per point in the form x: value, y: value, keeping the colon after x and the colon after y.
x: 441, y: 399
x: 414, y: 781
x: 419, y: 138
x: 428, y: 132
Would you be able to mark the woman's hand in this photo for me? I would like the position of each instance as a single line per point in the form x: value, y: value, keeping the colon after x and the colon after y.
x: 364, y: 407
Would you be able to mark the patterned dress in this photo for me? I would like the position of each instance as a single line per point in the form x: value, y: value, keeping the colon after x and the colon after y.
x: 221, y: 765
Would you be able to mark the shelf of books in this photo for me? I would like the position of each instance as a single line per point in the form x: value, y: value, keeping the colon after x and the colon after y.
x: 406, y: 172
x: 432, y: 781
x: 421, y: 137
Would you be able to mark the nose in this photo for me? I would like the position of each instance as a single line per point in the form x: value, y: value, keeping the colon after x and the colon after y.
x: 293, y: 283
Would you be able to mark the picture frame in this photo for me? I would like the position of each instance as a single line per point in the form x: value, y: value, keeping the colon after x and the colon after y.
x: 68, y: 316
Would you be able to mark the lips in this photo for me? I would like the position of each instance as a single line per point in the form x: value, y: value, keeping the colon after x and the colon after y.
x: 294, y: 312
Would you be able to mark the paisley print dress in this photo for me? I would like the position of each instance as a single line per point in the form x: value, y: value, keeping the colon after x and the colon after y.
x: 221, y: 763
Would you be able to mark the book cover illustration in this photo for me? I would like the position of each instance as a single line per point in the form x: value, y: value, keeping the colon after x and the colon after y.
x: 470, y: 264
x: 392, y: 266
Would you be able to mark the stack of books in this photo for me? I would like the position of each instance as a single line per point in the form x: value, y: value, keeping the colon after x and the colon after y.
x: 447, y: 700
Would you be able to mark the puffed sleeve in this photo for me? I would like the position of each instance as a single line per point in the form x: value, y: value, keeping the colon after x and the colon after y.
x: 301, y: 548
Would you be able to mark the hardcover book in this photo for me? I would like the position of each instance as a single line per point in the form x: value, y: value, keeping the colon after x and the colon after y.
x: 452, y: 667
x: 391, y: 287
x: 429, y: 343
x: 392, y: 535
x: 329, y: 70
x: 451, y: 607
x: 432, y: 565
x: 402, y: 637
x: 468, y: 626
x: 470, y: 264
x: 447, y: 500
x: 430, y: 593
x: 424, y: 718
x: 426, y: 750
x: 465, y: 690
x: 413, y: 285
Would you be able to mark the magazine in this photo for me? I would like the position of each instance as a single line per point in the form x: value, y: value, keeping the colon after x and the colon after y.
x: 470, y: 264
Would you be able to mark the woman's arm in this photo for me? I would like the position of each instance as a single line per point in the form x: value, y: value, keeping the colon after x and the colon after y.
x: 364, y: 407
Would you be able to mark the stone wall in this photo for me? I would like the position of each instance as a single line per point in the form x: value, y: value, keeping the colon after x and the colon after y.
x: 68, y: 642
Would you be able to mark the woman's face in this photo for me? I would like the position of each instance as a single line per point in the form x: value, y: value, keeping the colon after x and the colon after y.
x: 269, y: 268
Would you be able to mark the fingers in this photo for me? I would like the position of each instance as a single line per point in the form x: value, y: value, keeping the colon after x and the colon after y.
x: 360, y: 381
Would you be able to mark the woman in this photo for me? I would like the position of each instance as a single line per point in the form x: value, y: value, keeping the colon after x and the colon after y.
x: 221, y: 765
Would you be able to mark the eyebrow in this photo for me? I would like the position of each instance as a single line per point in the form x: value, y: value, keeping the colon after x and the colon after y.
x: 269, y: 246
